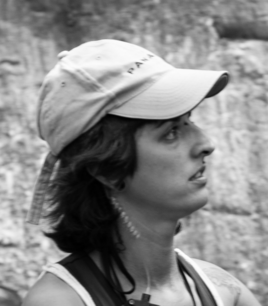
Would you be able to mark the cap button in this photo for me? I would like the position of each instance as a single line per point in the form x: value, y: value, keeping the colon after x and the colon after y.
x: 62, y: 54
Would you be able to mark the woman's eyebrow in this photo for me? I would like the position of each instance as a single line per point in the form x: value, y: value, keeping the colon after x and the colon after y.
x: 160, y: 123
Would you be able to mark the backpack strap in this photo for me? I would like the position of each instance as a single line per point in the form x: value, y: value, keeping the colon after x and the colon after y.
x: 83, y: 268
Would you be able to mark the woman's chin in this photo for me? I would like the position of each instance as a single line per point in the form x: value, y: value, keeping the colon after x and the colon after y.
x: 202, y: 199
x: 196, y: 203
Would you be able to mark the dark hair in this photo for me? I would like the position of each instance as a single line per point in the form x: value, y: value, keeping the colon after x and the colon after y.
x: 80, y: 214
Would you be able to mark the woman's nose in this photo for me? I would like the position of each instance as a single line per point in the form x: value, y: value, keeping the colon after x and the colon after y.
x: 204, y: 145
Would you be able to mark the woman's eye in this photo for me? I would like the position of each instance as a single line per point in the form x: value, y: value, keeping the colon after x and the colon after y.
x: 173, y: 133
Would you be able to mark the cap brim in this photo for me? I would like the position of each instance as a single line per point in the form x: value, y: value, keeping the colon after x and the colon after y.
x: 174, y: 94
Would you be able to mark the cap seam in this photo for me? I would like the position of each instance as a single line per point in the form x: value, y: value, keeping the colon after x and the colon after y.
x: 87, y: 76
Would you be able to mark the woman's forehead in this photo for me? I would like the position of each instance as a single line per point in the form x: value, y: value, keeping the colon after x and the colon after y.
x: 159, y: 123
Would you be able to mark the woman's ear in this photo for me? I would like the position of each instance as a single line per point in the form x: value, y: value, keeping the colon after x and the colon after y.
x: 107, y: 183
x: 110, y: 184
x: 113, y: 185
x: 110, y: 188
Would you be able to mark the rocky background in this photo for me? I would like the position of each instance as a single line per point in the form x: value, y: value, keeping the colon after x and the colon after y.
x: 232, y: 230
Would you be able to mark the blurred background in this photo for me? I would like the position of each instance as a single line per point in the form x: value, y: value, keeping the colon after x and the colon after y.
x: 232, y: 230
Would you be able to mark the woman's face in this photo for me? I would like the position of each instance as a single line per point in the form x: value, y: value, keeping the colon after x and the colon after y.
x: 169, y: 178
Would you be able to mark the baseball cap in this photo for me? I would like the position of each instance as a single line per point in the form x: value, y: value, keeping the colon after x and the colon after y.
x: 111, y: 77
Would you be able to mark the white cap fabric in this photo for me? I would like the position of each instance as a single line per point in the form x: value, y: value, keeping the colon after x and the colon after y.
x: 111, y: 77
x: 115, y: 77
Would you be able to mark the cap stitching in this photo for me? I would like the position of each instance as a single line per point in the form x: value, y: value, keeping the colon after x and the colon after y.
x: 83, y: 75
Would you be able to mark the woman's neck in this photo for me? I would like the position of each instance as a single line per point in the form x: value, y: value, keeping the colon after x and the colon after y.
x: 150, y: 259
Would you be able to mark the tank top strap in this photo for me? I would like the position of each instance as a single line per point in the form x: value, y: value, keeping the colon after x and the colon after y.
x: 62, y: 273
x: 205, y: 288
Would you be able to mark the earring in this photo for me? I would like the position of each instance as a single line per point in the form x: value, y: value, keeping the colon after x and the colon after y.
x: 125, y: 218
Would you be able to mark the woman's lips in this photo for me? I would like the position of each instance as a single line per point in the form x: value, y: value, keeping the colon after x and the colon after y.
x: 198, y: 177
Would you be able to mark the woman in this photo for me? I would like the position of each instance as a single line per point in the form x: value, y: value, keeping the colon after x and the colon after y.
x: 131, y: 163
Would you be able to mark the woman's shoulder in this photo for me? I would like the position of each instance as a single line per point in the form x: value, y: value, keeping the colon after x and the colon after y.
x: 230, y: 289
x: 51, y: 290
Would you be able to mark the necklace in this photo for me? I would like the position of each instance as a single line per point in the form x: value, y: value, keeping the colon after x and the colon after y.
x: 143, y: 302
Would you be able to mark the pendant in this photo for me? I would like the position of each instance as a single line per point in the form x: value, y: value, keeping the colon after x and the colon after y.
x: 143, y: 302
